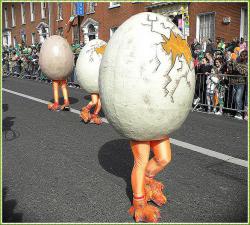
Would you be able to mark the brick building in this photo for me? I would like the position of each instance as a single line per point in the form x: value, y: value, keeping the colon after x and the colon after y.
x: 32, y: 22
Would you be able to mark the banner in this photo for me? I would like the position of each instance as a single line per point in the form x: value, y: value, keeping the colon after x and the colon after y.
x: 79, y: 9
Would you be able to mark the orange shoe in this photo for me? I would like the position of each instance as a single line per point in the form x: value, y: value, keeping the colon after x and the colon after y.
x: 53, y: 106
x: 154, y: 183
x: 144, y: 212
x: 156, y: 195
x: 65, y: 106
x: 153, y: 189
x: 85, y: 114
x: 96, y: 119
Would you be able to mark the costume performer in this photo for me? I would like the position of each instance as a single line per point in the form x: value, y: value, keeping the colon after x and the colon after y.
x: 56, y: 61
x: 87, y: 70
x: 85, y: 112
x: 146, y: 85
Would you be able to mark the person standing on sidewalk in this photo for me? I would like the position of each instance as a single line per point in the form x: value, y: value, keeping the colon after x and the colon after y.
x: 239, y: 82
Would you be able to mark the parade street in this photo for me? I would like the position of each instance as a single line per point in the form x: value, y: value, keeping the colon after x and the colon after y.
x: 56, y: 168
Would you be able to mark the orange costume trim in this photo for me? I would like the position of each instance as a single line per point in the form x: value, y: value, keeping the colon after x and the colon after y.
x: 85, y: 113
x: 142, y: 181
x: 55, y: 106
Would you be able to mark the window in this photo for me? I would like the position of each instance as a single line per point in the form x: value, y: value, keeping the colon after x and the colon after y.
x: 90, y: 7
x: 23, y: 12
x: 43, y: 10
x: 244, y: 24
x: 112, y: 31
x: 5, y: 18
x: 114, y: 4
x: 59, y: 11
x: 14, y: 42
x: 32, y: 11
x: 33, y: 38
x: 205, y: 26
x: 23, y: 36
x: 91, y: 32
x: 13, y: 16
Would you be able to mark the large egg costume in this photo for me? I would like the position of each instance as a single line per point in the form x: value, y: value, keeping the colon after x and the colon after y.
x: 147, y: 78
x: 88, y: 63
x: 56, y: 58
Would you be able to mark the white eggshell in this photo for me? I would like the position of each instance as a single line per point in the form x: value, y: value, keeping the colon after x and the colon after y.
x: 88, y: 64
x: 147, y: 91
x: 56, y: 58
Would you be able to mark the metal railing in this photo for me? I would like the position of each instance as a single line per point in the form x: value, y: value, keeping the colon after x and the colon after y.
x: 225, y: 88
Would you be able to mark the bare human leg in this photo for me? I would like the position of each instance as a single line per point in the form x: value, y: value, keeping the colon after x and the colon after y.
x: 141, y: 210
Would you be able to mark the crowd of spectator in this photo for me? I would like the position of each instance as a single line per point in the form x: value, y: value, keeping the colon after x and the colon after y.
x: 221, y: 72
x: 221, y: 76
x: 22, y: 61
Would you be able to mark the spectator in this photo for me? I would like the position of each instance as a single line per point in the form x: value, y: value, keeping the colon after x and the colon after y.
x: 239, y: 82
x: 235, y: 54
x: 221, y: 45
x: 204, y: 44
x: 195, y: 47
x: 211, y: 82
x: 204, y: 71
x: 246, y: 103
x: 243, y: 44
x: 227, y: 56
x: 219, y: 91
x: 210, y: 47
x: 210, y: 58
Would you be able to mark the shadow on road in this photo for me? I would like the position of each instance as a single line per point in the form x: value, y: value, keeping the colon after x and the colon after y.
x: 8, y: 209
x: 71, y: 100
x: 8, y: 133
x: 116, y: 158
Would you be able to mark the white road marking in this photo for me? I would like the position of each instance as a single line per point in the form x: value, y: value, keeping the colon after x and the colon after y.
x: 182, y: 144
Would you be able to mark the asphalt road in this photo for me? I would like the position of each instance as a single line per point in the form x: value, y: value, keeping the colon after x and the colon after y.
x: 57, y: 169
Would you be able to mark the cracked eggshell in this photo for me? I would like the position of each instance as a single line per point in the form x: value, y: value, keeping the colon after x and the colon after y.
x: 56, y: 58
x: 147, y: 78
x: 88, y: 64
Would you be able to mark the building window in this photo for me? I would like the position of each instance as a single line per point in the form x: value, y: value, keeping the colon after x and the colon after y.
x: 13, y: 16
x: 59, y: 11
x: 14, y: 42
x: 114, y: 4
x: 23, y: 36
x: 91, y: 32
x: 205, y: 26
x: 33, y: 38
x: 5, y: 18
x: 112, y: 31
x: 23, y: 13
x: 244, y: 24
x: 43, y: 10
x: 32, y: 11
x: 90, y: 7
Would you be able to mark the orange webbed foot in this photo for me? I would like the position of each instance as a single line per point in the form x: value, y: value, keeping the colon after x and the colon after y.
x: 153, y: 190
x: 96, y: 119
x: 85, y: 114
x: 155, y: 195
x: 144, y: 212
x: 154, y: 183
x: 53, y: 106
x: 65, y: 107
